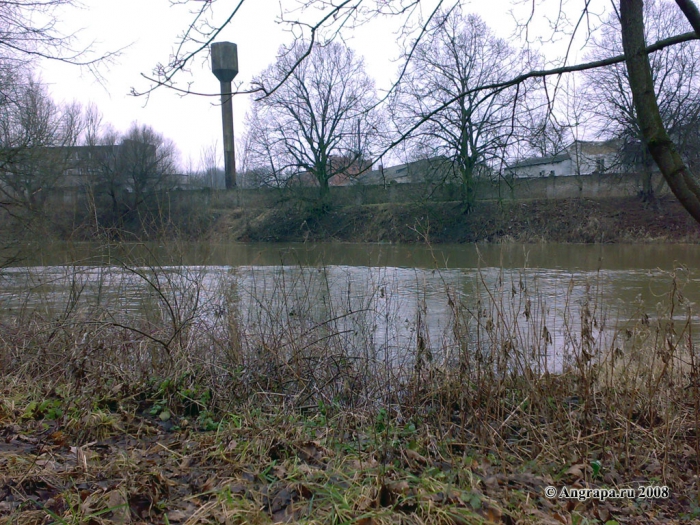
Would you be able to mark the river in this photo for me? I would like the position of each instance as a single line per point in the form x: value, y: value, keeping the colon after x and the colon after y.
x: 390, y: 298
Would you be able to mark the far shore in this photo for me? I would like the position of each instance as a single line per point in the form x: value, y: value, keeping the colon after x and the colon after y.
x: 586, y: 220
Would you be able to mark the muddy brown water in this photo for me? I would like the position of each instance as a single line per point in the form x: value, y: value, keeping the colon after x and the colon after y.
x: 376, y: 296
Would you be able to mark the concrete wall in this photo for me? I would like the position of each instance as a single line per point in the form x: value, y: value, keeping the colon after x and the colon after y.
x: 596, y: 185
x: 577, y: 186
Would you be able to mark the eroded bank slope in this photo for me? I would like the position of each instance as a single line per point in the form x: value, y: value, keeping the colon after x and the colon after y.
x: 605, y: 220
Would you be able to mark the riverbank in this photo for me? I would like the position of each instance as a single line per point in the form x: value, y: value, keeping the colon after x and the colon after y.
x: 192, y: 411
x: 602, y: 220
x: 69, y: 459
x: 287, y: 217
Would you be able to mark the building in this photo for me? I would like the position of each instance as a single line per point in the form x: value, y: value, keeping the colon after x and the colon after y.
x: 556, y: 165
x: 346, y: 169
x: 579, y: 158
x: 435, y: 169
x: 32, y: 174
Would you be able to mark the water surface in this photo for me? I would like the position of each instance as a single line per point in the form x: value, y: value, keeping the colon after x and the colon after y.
x: 386, y: 298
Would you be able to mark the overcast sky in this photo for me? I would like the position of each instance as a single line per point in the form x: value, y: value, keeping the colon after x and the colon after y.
x: 151, y: 28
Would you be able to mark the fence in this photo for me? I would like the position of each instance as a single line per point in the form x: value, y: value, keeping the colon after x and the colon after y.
x: 583, y: 186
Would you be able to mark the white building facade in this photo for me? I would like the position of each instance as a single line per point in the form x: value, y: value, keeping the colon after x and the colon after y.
x: 579, y: 158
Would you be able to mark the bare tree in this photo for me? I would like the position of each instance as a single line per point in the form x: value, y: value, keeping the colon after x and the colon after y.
x: 257, y: 164
x: 686, y: 133
x: 471, y: 128
x: 36, y: 131
x: 105, y: 179
x: 323, y: 20
x: 551, y: 116
x: 209, y: 167
x: 319, y: 121
x: 682, y: 182
x: 204, y: 173
x: 266, y: 161
x: 131, y: 170
x: 93, y: 123
x: 674, y: 74
x: 146, y: 163
x: 31, y: 30
x: 547, y: 135
x: 36, y: 137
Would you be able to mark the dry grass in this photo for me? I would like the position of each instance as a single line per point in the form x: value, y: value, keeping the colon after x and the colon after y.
x: 192, y: 410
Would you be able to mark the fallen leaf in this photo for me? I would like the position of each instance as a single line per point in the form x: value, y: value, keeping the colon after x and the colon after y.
x: 491, y: 482
x: 576, y: 471
x: 493, y: 514
x: 176, y: 516
x: 279, y: 471
x: 415, y: 456
x: 400, y: 487
x: 602, y: 513
x: 120, y: 509
x: 285, y: 515
x: 209, y: 484
x: 283, y: 499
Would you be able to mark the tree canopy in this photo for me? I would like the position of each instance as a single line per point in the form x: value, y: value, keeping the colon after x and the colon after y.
x: 319, y: 121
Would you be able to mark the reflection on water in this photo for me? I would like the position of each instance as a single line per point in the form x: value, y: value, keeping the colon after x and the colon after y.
x: 400, y: 299
x: 572, y: 257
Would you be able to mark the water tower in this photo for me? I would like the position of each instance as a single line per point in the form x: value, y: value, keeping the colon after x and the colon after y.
x: 224, y: 65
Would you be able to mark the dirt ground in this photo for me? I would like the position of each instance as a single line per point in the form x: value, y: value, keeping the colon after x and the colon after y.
x: 110, y: 468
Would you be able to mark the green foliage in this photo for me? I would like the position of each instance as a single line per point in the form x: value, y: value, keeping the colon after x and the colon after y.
x: 46, y: 409
x: 158, y: 408
x: 381, y: 421
x: 206, y: 421
x: 184, y: 397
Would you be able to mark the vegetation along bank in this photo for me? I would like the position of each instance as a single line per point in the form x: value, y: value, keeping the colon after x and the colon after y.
x: 604, y: 220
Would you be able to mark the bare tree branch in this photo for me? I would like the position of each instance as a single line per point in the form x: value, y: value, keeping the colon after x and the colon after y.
x: 657, y: 46
x: 29, y: 30
x: 691, y: 12
x: 316, y: 123
x: 682, y: 183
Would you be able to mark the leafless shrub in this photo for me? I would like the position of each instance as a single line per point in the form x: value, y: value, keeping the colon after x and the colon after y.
x: 522, y: 373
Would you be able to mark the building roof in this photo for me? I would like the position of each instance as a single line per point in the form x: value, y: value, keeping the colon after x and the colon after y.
x: 595, y: 147
x: 542, y: 160
x: 416, y: 171
x: 583, y: 147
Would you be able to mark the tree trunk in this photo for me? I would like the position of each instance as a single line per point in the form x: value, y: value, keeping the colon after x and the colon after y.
x: 324, y: 194
x: 468, y: 195
x: 323, y: 185
x: 648, y: 194
x: 682, y: 183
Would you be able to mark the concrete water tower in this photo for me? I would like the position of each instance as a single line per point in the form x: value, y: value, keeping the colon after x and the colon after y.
x: 224, y: 64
